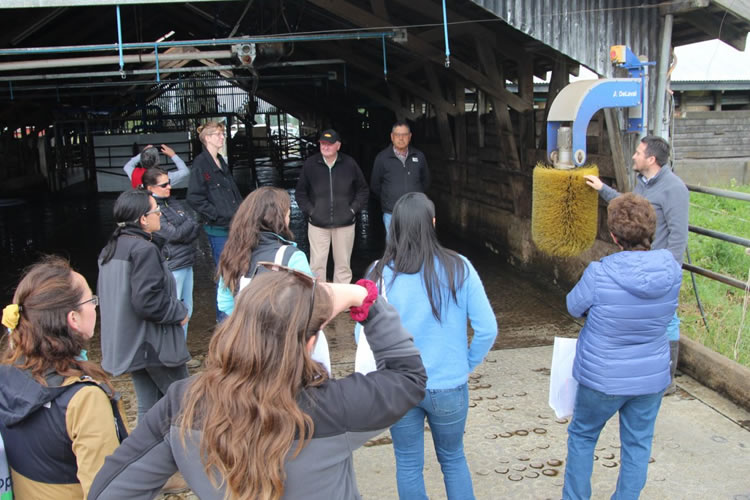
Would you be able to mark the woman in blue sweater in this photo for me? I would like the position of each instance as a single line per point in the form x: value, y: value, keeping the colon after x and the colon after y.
x: 435, y: 290
x: 622, y: 356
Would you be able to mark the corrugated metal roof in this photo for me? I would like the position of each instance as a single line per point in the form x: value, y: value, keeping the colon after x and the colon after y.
x: 584, y: 29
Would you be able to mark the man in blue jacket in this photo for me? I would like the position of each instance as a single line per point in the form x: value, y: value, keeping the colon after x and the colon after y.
x: 397, y: 170
x: 656, y: 182
x: 330, y: 191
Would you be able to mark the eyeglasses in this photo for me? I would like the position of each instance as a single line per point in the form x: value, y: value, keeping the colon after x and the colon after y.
x: 156, y: 211
x: 93, y: 299
x: 270, y: 266
x: 163, y: 184
x: 406, y: 134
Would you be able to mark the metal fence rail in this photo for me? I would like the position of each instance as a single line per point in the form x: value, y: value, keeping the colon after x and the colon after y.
x: 737, y: 240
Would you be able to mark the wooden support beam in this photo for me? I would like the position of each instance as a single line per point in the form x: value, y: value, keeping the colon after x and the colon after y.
x: 360, y: 17
x: 406, y: 84
x: 502, y: 116
x: 386, y: 102
x: 558, y: 79
x: 527, y: 126
x: 378, y: 8
x: 725, y: 32
x: 444, y: 127
x: 614, y: 133
x: 459, y: 121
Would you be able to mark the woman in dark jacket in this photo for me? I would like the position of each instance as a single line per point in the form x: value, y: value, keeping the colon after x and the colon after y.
x: 264, y: 420
x: 142, y: 317
x: 212, y: 192
x: 179, y: 230
x: 58, y: 413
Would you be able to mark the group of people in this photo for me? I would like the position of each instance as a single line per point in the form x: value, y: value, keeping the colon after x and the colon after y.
x: 264, y: 418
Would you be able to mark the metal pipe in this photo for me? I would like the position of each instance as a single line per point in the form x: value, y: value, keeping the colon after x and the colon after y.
x: 445, y: 32
x: 197, y: 43
x: 118, y: 83
x: 119, y: 39
x: 727, y: 280
x: 156, y: 54
x: 719, y: 192
x: 100, y: 60
x: 737, y: 240
x: 385, y: 64
x: 661, y: 118
x: 311, y: 62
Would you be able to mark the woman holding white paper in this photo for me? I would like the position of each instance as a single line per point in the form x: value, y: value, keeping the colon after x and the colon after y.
x: 435, y: 290
x: 622, y: 356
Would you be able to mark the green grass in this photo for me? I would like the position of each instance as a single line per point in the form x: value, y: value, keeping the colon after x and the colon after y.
x: 723, y: 304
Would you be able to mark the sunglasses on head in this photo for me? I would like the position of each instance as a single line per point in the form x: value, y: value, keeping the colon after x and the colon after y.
x: 306, y: 278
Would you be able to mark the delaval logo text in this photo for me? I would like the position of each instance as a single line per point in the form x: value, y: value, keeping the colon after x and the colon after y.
x: 623, y: 93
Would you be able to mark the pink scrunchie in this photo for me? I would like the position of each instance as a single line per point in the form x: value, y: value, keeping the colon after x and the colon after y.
x: 359, y: 313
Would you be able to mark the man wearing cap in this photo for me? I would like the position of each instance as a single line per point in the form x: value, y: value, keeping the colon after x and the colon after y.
x: 397, y: 170
x: 330, y: 191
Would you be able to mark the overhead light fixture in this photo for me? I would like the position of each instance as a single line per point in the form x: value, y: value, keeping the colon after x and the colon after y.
x: 164, y: 37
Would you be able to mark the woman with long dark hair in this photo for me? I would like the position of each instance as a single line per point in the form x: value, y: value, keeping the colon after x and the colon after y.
x: 142, y: 317
x: 259, y: 230
x: 264, y: 420
x: 435, y: 290
x: 180, y: 231
x: 58, y: 413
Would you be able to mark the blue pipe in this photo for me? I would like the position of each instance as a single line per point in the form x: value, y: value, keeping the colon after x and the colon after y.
x: 156, y: 55
x: 385, y: 65
x: 119, y: 40
x: 445, y: 31
x: 216, y: 41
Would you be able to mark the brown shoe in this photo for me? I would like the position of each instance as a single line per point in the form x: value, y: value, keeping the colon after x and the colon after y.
x: 194, y: 363
x: 175, y: 485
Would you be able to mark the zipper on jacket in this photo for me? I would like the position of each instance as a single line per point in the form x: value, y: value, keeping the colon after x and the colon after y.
x: 330, y: 188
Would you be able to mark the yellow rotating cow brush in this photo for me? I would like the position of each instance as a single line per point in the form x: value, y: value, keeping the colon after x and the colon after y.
x: 564, y: 209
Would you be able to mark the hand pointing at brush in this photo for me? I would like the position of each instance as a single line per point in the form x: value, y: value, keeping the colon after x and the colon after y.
x: 594, y: 182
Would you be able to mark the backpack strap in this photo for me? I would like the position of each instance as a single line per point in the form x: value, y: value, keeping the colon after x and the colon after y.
x: 284, y: 255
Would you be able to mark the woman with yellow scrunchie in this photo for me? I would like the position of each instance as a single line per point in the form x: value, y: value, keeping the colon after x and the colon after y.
x: 58, y: 413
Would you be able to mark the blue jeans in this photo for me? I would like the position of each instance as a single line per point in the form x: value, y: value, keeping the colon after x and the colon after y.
x: 151, y: 384
x: 637, y: 418
x: 387, y: 224
x: 217, y: 245
x: 184, y: 279
x: 446, y: 412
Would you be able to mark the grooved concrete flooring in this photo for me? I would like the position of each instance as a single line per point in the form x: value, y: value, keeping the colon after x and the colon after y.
x: 513, y: 441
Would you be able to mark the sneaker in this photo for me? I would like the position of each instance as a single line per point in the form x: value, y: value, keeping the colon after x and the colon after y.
x: 194, y: 363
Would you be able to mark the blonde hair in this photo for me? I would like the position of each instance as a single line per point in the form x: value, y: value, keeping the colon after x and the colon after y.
x: 209, y: 128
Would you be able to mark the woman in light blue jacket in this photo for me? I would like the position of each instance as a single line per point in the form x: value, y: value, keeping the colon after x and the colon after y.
x: 434, y: 290
x: 622, y: 356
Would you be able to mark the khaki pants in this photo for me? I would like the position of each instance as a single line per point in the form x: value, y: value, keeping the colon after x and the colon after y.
x: 321, y: 239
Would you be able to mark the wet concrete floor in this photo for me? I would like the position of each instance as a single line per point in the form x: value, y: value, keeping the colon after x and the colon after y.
x: 530, y: 314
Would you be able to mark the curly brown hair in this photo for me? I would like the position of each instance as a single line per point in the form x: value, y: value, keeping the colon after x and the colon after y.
x: 632, y: 220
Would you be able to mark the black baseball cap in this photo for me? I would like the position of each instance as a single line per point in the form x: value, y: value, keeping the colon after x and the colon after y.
x: 329, y: 135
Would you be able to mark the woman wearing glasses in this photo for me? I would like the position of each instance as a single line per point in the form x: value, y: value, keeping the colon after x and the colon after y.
x: 264, y: 420
x: 179, y: 230
x: 435, y: 290
x: 142, y: 317
x: 58, y: 413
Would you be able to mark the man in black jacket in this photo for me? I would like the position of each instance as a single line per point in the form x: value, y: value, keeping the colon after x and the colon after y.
x: 330, y: 191
x: 398, y: 169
